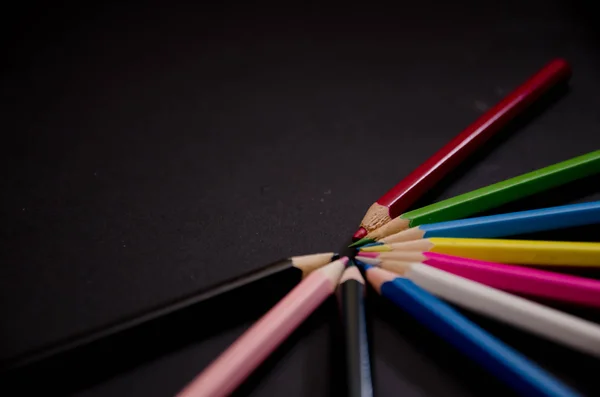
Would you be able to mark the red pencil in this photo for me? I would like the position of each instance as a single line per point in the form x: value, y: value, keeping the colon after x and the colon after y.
x: 405, y: 193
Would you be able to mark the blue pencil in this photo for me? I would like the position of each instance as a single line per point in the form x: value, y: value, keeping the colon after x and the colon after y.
x: 504, y: 224
x: 517, y: 371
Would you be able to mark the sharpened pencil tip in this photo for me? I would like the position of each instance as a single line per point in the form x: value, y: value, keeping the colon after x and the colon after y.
x: 344, y: 260
x: 375, y: 248
x: 360, y: 233
x: 362, y: 241
x: 366, y: 254
x: 372, y: 244
x: 351, y: 273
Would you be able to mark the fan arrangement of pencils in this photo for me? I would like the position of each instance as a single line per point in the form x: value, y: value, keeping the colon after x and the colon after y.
x: 440, y: 253
x: 426, y: 260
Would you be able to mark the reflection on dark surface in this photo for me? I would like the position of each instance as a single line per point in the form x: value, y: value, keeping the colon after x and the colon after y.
x: 116, y: 116
x: 578, y: 370
x: 429, y: 354
x: 544, y: 104
x: 99, y: 360
x: 321, y: 316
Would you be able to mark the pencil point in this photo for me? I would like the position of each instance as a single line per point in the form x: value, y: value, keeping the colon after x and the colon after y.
x: 360, y: 233
x: 375, y: 248
x: 344, y: 260
x: 359, y: 263
x: 367, y: 254
x: 351, y: 273
x: 370, y: 261
x: 372, y: 244
x: 362, y: 241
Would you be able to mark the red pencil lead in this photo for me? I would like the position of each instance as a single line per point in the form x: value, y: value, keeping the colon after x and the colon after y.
x: 360, y: 233
x: 397, y: 200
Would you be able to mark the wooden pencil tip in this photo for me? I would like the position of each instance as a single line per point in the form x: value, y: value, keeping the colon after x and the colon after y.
x: 375, y: 244
x: 352, y: 273
x: 377, y: 276
x: 360, y: 242
x: 366, y: 254
x: 398, y: 267
x: 377, y: 247
x: 334, y: 271
x: 360, y: 233
x: 368, y: 261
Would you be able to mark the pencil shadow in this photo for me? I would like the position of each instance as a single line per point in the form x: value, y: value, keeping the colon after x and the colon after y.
x: 543, y: 104
x: 92, y: 363
x: 580, y: 271
x: 588, y: 313
x: 579, y: 233
x: 337, y: 386
x: 418, y: 353
x: 347, y: 251
x: 578, y: 370
x: 560, y: 195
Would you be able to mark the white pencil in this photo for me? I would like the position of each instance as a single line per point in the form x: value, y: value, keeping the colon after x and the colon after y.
x: 538, y: 319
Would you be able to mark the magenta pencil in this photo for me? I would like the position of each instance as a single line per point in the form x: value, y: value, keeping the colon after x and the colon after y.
x: 521, y: 280
x: 234, y: 365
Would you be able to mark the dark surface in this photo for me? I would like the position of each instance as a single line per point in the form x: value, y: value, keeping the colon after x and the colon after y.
x: 150, y: 152
x: 166, y: 328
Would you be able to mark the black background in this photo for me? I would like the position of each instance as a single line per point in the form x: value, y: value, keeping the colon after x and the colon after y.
x: 148, y: 152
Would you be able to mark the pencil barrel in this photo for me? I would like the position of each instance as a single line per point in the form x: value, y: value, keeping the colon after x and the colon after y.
x: 357, y: 371
x: 507, y: 191
x: 516, y: 370
x: 399, y: 198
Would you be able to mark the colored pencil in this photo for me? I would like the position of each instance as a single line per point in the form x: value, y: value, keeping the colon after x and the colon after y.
x: 405, y: 193
x: 523, y: 252
x: 352, y: 309
x: 533, y: 317
x: 494, y: 195
x: 272, y: 281
x: 516, y: 279
x: 516, y: 370
x: 502, y: 225
x: 234, y: 365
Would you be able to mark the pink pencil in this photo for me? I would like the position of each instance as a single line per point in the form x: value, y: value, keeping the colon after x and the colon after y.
x: 234, y: 365
x: 514, y: 279
x: 522, y: 280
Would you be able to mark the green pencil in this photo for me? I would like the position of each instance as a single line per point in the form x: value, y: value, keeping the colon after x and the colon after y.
x: 491, y: 196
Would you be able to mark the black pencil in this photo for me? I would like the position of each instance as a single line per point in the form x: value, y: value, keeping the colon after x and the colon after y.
x: 356, y: 344
x: 168, y: 326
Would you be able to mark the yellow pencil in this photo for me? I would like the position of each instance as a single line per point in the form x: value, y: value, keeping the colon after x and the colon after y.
x: 525, y: 252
